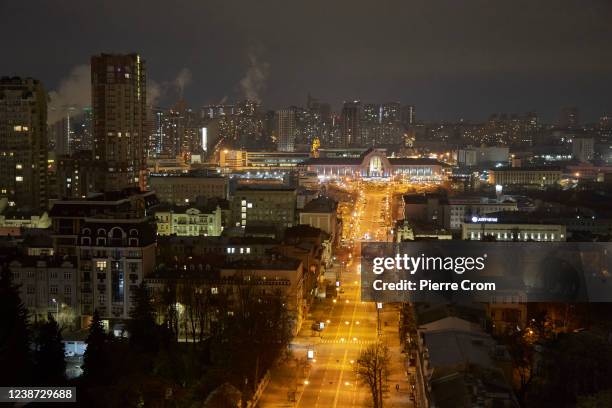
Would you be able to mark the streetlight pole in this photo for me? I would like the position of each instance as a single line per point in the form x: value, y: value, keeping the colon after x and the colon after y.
x: 56, y: 309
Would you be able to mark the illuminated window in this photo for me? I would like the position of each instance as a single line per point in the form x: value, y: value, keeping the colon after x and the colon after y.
x: 17, y: 128
x: 101, y: 264
x: 19, y: 178
x: 18, y: 166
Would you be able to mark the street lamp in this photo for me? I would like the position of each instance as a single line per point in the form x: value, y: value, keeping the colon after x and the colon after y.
x: 56, y: 308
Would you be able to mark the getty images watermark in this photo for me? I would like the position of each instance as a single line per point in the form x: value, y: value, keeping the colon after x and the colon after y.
x: 472, y: 271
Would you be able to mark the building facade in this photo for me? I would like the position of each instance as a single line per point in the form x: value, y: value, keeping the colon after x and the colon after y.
x: 188, y: 221
x: 264, y: 205
x: 181, y: 189
x: 526, y: 176
x: 118, y: 89
x: 374, y: 163
x: 503, y: 231
x: 23, y: 142
x: 112, y: 236
x: 48, y: 285
x: 286, y: 128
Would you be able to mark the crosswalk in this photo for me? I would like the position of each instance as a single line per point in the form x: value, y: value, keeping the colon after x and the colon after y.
x: 341, y: 340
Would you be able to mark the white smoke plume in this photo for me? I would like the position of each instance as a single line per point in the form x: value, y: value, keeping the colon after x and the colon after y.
x: 74, y: 91
x: 182, y: 80
x: 255, y: 78
x: 154, y: 92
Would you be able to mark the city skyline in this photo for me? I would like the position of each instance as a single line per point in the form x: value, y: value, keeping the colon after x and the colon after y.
x: 468, y: 63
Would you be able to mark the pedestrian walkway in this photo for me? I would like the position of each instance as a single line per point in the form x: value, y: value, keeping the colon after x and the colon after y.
x: 397, y: 365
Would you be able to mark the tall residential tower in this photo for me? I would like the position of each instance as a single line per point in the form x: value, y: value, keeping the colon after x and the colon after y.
x: 118, y: 89
x: 23, y: 142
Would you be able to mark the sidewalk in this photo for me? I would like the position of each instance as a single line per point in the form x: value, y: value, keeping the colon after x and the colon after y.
x: 397, y: 369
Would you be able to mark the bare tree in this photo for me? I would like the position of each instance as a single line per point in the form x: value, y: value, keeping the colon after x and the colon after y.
x: 372, y: 369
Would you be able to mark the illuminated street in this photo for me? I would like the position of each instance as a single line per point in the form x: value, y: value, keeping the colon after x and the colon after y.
x: 328, y: 380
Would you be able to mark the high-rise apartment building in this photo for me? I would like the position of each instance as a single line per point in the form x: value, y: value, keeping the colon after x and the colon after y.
x: 118, y: 87
x: 351, y: 123
x: 569, y: 117
x: 23, y: 142
x: 408, y: 115
x: 285, y: 125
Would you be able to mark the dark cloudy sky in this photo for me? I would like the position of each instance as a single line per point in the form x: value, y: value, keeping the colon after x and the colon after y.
x: 450, y: 58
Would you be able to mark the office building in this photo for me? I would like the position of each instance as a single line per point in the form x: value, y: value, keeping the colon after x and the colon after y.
x: 118, y: 87
x: 474, y: 156
x: 23, y: 142
x: 264, y: 205
x: 462, y: 209
x: 184, y: 188
x: 527, y: 176
x: 513, y: 226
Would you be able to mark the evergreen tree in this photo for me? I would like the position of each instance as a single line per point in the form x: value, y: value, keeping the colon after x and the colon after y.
x: 49, y: 354
x: 15, y: 356
x: 142, y: 327
x: 96, y: 357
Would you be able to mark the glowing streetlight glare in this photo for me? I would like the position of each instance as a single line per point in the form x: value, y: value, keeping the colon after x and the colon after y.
x: 306, y: 382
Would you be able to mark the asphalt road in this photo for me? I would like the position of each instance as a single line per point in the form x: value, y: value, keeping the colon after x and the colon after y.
x: 328, y: 380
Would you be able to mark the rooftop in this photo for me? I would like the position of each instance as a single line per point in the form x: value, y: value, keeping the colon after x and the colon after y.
x: 321, y: 205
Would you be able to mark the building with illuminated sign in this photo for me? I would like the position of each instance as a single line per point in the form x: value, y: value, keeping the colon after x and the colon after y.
x: 374, y: 163
x: 513, y: 226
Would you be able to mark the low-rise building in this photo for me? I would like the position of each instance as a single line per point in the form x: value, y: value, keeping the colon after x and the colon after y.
x: 322, y: 213
x: 14, y: 219
x: 48, y: 285
x: 465, y: 208
x: 513, y: 226
x: 526, y: 176
x: 255, y: 205
x: 458, y: 364
x: 113, y: 237
x: 189, y: 221
x: 185, y: 188
x: 275, y: 276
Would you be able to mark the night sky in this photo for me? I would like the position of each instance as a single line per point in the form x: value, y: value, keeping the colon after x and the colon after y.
x: 452, y: 59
